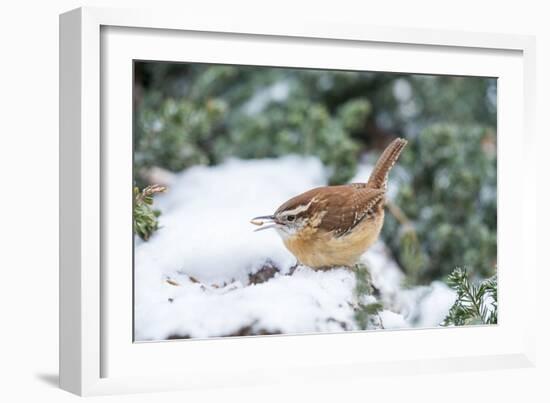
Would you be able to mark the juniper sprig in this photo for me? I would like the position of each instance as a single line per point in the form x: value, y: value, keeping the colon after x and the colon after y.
x: 145, y: 216
x: 475, y: 303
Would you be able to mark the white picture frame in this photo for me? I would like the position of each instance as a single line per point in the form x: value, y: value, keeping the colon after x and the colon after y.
x: 97, y: 356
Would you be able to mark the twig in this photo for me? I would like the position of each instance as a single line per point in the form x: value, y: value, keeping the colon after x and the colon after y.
x: 400, y: 216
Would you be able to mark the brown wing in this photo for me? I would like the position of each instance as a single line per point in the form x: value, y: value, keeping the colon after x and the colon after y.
x: 348, y: 206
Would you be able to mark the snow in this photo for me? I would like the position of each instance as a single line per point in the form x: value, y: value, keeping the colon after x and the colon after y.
x: 392, y: 320
x: 435, y: 305
x: 307, y: 301
x: 206, y: 230
x: 195, y: 277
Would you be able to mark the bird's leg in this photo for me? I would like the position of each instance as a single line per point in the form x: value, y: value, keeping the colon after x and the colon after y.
x: 293, y: 268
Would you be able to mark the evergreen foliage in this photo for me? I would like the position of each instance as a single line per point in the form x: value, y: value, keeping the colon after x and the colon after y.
x: 475, y: 304
x: 145, y: 217
x: 368, y: 308
x: 449, y: 195
x: 246, y: 112
x: 189, y: 114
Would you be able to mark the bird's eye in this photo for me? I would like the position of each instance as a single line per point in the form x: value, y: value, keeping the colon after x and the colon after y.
x: 290, y: 217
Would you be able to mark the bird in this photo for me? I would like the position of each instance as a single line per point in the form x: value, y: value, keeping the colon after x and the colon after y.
x: 332, y: 226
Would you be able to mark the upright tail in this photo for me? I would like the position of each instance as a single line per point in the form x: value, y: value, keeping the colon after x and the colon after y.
x: 379, y: 176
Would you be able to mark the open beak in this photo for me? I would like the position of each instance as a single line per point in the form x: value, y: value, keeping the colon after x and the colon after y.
x: 270, y: 219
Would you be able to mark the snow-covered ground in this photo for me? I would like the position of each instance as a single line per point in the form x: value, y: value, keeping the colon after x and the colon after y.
x: 205, y: 273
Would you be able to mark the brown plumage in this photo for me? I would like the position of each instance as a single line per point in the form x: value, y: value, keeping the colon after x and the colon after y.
x: 334, y: 225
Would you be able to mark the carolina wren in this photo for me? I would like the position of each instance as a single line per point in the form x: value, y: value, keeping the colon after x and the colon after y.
x: 334, y: 225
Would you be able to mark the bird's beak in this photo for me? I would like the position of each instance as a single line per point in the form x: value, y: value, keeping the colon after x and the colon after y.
x: 262, y: 220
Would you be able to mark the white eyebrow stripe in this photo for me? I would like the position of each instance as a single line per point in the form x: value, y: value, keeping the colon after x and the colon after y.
x: 297, y: 210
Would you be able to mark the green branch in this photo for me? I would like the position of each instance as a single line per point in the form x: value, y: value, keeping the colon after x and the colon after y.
x: 145, y: 217
x: 475, y: 304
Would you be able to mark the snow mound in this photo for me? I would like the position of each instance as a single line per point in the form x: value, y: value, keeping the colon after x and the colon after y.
x: 307, y: 301
x: 205, y: 273
x: 205, y: 222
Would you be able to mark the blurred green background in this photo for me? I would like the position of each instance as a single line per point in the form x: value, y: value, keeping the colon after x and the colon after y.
x: 443, y: 212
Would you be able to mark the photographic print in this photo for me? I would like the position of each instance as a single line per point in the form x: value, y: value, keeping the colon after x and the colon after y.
x: 277, y: 201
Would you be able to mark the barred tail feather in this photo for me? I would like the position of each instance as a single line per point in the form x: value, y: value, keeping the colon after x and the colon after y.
x: 379, y: 176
